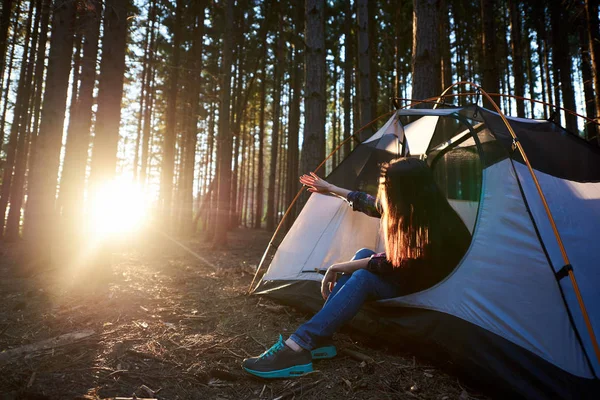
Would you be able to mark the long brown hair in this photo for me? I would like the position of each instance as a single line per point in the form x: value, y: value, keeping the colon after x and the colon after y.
x: 415, y: 212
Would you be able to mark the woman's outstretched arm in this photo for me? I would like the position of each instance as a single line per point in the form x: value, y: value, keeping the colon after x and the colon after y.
x: 317, y: 185
x: 359, y: 201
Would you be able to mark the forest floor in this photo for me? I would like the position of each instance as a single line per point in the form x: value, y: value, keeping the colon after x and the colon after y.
x: 164, y: 324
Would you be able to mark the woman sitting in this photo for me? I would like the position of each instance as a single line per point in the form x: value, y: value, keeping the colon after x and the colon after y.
x: 424, y: 241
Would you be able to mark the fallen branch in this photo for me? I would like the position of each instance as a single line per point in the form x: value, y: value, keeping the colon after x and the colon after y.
x: 356, y: 355
x: 58, y: 341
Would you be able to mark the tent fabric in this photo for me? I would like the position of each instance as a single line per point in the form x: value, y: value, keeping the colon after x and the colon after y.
x: 549, y: 148
x: 505, y: 246
x: 503, y: 315
x: 577, y: 231
x: 323, y: 220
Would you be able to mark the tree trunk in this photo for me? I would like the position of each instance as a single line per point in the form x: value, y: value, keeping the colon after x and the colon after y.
x: 110, y: 93
x: 210, y: 181
x: 18, y: 126
x: 313, y: 146
x: 587, y: 77
x: 517, y: 54
x: 8, y: 83
x: 145, y: 76
x: 348, y: 67
x: 168, y: 161
x: 531, y: 77
x: 17, y: 188
x: 251, y: 181
x: 261, y: 137
x: 149, y: 101
x: 543, y: 34
x: 446, y: 51
x: 373, y: 55
x: 225, y: 136
x: 364, y: 68
x: 4, y: 25
x: 593, y: 29
x: 294, y: 122
x: 490, y: 66
x: 562, y: 59
x: 186, y: 222
x: 271, y: 209
x: 426, y: 65
x: 78, y: 138
x: 40, y: 217
x: 16, y: 129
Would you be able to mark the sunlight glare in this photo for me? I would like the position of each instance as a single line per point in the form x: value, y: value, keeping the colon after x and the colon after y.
x: 118, y: 207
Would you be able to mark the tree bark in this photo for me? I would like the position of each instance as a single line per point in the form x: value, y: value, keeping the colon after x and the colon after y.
x: 40, y: 217
x: 168, y: 161
x: 17, y: 188
x: 19, y: 117
x: 373, y: 55
x: 593, y: 29
x: 313, y: 146
x: 110, y: 93
x: 145, y: 76
x: 294, y: 123
x: 348, y: 69
x: 4, y: 25
x: 517, y: 55
x: 364, y: 68
x: 149, y: 101
x: 426, y: 65
x: 445, y: 47
x: 16, y: 129
x: 78, y: 137
x: 8, y: 83
x: 562, y: 59
x: 490, y: 66
x: 271, y: 209
x: 186, y: 222
x: 225, y: 136
x: 261, y: 135
x: 587, y: 77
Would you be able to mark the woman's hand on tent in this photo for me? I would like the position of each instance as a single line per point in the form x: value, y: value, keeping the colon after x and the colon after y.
x: 315, y: 183
x: 328, y: 281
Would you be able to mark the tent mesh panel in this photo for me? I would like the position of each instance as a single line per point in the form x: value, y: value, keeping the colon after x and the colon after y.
x: 457, y: 168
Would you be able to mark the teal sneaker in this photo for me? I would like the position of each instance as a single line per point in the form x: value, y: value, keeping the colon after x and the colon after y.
x: 324, y: 352
x: 279, y: 362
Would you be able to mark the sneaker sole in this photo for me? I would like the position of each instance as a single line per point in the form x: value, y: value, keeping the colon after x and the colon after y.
x: 324, y: 353
x: 295, y: 371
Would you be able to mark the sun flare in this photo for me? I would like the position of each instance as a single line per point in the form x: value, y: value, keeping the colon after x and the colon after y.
x: 118, y: 207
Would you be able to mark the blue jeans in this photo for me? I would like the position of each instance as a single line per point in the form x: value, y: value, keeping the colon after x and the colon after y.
x: 346, y: 299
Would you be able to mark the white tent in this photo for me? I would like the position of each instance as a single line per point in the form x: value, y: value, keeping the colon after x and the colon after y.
x: 509, y: 314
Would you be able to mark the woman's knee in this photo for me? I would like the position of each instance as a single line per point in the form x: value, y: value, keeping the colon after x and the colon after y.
x: 364, y: 275
x: 363, y: 253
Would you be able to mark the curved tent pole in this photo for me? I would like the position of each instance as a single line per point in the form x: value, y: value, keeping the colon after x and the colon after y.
x: 589, y: 120
x: 518, y: 146
x: 353, y: 136
x: 437, y: 102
